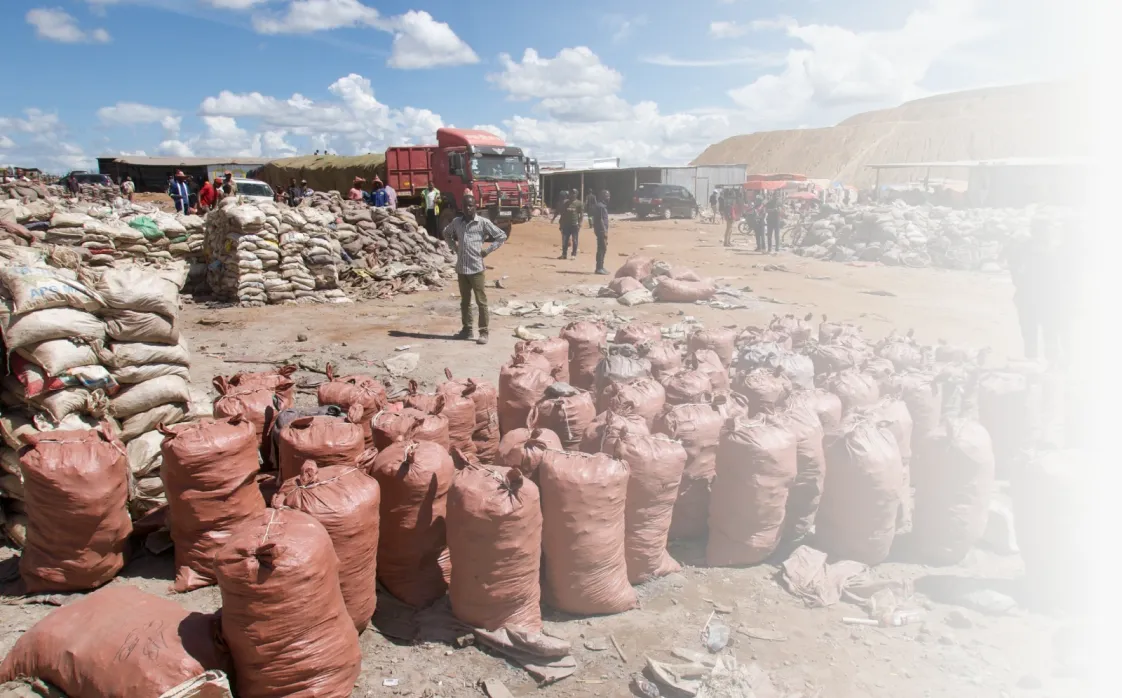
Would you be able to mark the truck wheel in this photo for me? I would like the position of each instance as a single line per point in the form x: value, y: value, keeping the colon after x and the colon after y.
x: 506, y: 227
x: 666, y: 214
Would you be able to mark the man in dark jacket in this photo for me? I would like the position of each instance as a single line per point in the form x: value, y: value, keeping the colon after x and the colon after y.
x: 726, y: 212
x: 774, y: 221
x: 599, y: 217
x: 559, y: 204
x: 1032, y: 266
x: 179, y: 192
x: 572, y: 215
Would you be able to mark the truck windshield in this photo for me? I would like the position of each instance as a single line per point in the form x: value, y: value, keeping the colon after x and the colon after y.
x: 495, y: 167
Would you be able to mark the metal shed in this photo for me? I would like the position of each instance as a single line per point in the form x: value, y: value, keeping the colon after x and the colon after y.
x: 703, y: 179
x: 623, y: 182
x: 151, y: 173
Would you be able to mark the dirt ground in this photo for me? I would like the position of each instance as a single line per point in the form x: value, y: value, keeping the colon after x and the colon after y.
x: 953, y: 652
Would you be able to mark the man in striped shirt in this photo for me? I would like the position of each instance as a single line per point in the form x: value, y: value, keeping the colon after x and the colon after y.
x: 466, y: 235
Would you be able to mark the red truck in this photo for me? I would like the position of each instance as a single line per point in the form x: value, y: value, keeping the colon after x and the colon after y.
x: 464, y: 159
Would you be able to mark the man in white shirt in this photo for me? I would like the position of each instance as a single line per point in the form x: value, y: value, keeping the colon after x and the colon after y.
x: 466, y: 236
x: 432, y: 208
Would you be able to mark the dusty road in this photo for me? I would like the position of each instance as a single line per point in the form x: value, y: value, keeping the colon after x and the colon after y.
x: 954, y: 653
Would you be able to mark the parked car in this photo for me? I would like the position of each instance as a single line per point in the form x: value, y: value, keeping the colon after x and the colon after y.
x: 253, y: 189
x: 664, y: 201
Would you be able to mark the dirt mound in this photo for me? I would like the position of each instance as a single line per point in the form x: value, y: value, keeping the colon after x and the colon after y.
x: 324, y: 172
x: 1034, y: 120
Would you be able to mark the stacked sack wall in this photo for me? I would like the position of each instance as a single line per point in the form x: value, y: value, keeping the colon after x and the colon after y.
x: 102, y: 345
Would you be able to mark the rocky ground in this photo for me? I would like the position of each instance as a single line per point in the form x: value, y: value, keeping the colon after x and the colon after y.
x: 954, y: 651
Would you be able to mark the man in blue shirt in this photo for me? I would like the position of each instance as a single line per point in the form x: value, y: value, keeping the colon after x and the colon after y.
x: 179, y: 192
x: 378, y: 195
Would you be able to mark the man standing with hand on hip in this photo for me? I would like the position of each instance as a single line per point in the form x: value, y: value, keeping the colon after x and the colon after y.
x: 466, y: 235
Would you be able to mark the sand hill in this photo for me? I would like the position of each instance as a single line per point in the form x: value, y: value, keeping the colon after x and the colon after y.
x: 324, y: 172
x: 1036, y: 120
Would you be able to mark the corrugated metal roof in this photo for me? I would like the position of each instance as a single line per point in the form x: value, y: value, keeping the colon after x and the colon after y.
x: 186, y: 162
x: 603, y: 170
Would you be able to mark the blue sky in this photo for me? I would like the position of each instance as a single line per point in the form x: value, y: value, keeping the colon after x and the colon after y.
x: 648, y: 81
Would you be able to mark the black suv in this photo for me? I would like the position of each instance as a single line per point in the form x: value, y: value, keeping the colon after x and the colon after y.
x: 664, y: 201
x: 89, y: 178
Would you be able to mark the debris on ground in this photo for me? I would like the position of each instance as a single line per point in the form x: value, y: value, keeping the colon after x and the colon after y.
x: 403, y: 364
x: 807, y: 575
x: 547, y: 308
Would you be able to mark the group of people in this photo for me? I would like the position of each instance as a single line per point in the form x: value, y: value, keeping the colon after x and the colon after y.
x: 572, y: 210
x: 188, y: 199
x: 764, y: 214
x: 295, y: 193
x: 381, y: 195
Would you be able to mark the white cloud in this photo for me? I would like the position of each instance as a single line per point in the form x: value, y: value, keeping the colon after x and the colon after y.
x: 647, y: 136
x: 133, y: 114
x: 6, y: 142
x: 573, y: 72
x: 586, y: 109
x: 233, y: 4
x: 306, y: 16
x: 40, y: 140
x: 585, y: 116
x: 171, y: 125
x: 355, y: 119
x: 754, y: 58
x: 727, y: 30
x: 838, y: 68
x: 175, y: 148
x: 419, y: 41
x: 622, y: 27
x: 55, y: 24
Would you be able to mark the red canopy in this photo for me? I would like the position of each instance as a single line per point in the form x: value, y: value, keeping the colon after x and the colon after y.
x: 764, y: 185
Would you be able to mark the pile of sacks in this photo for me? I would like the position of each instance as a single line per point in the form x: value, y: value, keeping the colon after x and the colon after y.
x: 29, y: 191
x: 562, y: 484
x: 387, y: 252
x: 106, y: 232
x: 97, y: 348
x: 765, y: 438
x: 643, y: 280
x: 920, y: 236
x: 261, y: 253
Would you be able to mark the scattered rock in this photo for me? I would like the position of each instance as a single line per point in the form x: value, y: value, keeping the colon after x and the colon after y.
x: 1000, y: 535
x: 988, y: 601
x: 596, y: 644
x: 959, y: 619
x: 495, y: 688
x: 301, y: 337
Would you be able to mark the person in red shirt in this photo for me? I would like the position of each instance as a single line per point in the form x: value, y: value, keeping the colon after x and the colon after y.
x: 207, y: 197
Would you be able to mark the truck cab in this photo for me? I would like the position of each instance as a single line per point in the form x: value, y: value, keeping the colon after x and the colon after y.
x: 465, y: 160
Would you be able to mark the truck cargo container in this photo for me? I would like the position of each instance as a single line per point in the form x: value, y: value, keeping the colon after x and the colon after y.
x: 464, y: 160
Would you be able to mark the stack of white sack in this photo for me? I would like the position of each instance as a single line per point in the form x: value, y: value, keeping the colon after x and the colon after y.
x: 260, y: 253
x: 100, y: 345
x: 149, y: 359
x: 110, y: 232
